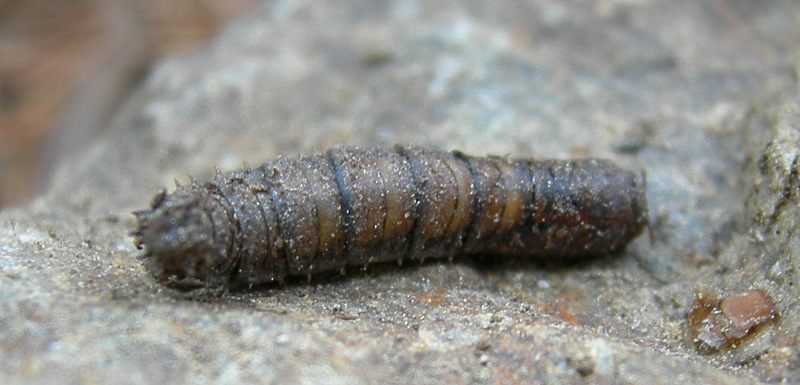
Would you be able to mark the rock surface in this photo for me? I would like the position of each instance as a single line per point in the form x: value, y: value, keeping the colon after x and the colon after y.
x: 701, y: 95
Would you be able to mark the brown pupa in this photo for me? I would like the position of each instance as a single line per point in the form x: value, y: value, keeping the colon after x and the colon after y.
x: 354, y: 206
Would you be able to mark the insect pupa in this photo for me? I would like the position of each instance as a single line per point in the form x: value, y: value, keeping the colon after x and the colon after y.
x: 354, y: 206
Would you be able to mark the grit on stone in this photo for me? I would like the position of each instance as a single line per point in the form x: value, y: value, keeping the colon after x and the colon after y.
x: 703, y: 96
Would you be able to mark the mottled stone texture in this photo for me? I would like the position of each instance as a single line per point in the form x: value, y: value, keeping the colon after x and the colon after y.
x: 700, y: 95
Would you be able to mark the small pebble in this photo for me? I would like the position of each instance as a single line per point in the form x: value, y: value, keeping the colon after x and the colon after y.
x: 483, y: 343
x: 714, y: 324
x: 746, y: 311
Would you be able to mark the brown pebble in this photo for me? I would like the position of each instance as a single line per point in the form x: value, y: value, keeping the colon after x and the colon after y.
x: 714, y: 324
x: 746, y: 311
x: 702, y: 331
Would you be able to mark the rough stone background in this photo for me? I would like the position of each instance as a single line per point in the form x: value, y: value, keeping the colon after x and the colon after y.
x: 701, y: 95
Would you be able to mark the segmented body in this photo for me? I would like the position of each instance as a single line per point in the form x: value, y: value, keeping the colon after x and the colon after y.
x: 354, y: 206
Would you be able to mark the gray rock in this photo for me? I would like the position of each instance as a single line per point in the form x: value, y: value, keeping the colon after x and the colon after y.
x: 701, y: 95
